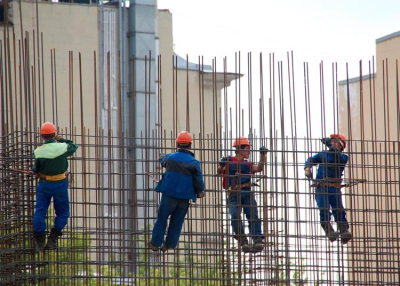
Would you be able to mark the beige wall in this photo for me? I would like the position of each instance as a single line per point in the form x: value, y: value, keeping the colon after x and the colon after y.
x: 380, y: 90
x: 373, y: 207
x: 65, y: 28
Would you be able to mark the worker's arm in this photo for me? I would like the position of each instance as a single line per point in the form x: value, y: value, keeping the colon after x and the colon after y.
x: 71, y: 147
x: 162, y: 159
x: 310, y: 162
x: 198, y: 182
x: 261, y: 163
x: 344, y: 158
x: 327, y: 142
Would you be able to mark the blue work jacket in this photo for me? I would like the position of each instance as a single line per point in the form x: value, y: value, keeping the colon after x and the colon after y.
x: 183, y: 178
x: 331, y: 164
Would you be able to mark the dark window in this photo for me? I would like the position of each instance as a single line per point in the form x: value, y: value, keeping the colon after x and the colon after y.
x: 2, y: 18
x: 5, y: 11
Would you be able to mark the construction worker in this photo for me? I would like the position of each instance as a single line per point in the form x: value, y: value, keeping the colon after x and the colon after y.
x: 181, y: 182
x: 328, y: 183
x: 50, y: 166
x: 237, y: 173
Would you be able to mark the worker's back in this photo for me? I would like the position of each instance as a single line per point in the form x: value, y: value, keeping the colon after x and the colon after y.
x: 183, y: 178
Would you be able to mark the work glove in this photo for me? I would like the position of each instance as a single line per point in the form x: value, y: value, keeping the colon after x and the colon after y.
x: 57, y: 138
x: 263, y: 150
x: 222, y: 161
x: 327, y: 141
x: 308, y: 173
x: 200, y: 195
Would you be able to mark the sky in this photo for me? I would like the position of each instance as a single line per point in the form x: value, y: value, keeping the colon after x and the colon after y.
x: 342, y: 31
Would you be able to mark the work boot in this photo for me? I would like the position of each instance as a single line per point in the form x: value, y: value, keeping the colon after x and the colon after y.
x: 244, y: 243
x: 164, y: 248
x: 329, y: 231
x: 153, y: 246
x: 346, y: 235
x: 258, y: 244
x: 52, y: 239
x: 40, y: 239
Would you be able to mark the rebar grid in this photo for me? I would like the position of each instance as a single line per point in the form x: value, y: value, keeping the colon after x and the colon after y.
x: 113, y: 205
x: 96, y: 248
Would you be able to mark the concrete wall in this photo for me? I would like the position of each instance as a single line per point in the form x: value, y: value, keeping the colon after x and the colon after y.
x: 65, y: 28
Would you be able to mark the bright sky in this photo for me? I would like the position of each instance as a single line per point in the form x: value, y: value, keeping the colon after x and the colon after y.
x: 340, y: 31
x: 333, y: 31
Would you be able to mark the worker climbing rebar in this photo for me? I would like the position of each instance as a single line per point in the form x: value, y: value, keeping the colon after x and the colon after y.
x: 328, y: 183
x: 181, y: 182
x: 50, y: 166
x: 237, y: 171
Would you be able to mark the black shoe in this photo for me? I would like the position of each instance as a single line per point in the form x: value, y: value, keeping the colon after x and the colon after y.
x: 164, y: 248
x: 346, y: 236
x: 153, y: 246
x: 333, y: 236
x: 245, y: 246
x: 40, y: 239
x: 52, y: 239
x: 258, y: 244
x: 329, y: 231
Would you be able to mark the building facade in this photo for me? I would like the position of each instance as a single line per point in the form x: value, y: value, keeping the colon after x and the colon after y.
x: 369, y: 115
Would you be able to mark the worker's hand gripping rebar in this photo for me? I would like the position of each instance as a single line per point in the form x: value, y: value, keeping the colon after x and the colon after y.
x: 327, y: 141
x: 263, y: 151
x: 222, y: 161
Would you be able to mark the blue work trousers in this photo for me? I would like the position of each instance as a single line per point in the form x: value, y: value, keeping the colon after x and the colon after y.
x: 44, y: 193
x: 176, y: 209
x: 244, y: 200
x: 327, y: 198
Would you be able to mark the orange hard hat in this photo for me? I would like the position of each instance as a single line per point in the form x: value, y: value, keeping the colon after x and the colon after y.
x: 241, y: 141
x: 184, y: 137
x: 48, y: 128
x: 342, y: 139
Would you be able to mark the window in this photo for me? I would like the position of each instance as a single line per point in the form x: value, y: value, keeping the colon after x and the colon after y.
x: 6, y: 12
